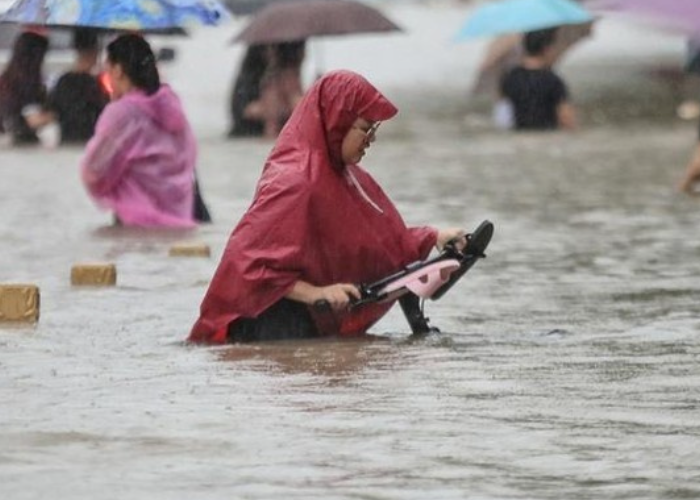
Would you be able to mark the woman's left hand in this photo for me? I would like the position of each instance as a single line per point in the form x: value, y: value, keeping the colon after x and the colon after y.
x: 459, y: 236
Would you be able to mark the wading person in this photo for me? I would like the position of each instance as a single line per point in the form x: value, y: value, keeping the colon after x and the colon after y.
x: 246, y: 89
x: 77, y: 99
x: 140, y: 164
x: 22, y: 87
x: 280, y: 87
x: 691, y: 177
x: 538, y: 97
x: 317, y: 225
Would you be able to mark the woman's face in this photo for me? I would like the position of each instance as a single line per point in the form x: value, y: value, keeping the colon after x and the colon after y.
x: 360, y: 136
x: 117, y: 79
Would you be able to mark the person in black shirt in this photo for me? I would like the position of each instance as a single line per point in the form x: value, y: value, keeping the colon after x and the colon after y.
x: 538, y: 97
x: 77, y: 99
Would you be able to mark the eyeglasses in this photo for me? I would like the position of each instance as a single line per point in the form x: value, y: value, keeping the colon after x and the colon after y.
x: 370, y: 132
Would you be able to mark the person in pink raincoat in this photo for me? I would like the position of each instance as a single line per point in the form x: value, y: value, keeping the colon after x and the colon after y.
x: 140, y: 164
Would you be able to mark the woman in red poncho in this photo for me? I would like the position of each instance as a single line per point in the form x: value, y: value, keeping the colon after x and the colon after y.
x: 318, y: 224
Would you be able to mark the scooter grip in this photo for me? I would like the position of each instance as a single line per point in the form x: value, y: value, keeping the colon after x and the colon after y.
x: 452, y: 244
x: 322, y: 305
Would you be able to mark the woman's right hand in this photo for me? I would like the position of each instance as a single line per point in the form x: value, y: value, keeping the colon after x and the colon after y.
x: 453, y: 234
x: 338, y: 296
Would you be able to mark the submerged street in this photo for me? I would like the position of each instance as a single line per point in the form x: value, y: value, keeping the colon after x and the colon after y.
x: 568, y: 364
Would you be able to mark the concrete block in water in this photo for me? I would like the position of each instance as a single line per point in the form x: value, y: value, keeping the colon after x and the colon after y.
x: 96, y: 274
x: 190, y: 250
x: 19, y: 303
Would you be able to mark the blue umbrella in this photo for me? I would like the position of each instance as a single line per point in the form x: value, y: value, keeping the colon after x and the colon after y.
x: 519, y: 16
x: 118, y: 15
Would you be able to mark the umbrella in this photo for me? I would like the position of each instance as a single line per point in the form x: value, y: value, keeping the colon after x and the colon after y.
x: 518, y: 16
x: 505, y: 51
x: 302, y: 19
x: 116, y: 15
x: 679, y: 14
x: 245, y: 7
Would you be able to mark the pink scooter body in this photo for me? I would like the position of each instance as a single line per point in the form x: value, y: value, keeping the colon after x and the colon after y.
x: 423, y: 282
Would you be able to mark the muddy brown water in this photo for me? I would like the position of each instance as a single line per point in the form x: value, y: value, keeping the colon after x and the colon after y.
x: 569, y: 365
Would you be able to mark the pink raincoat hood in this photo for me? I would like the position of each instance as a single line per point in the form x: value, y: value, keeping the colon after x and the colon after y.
x: 162, y: 107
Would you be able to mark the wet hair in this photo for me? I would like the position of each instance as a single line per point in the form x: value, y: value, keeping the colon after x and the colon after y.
x: 137, y: 60
x: 255, y: 62
x: 85, y: 39
x: 536, y: 42
x: 290, y: 54
x: 23, y: 72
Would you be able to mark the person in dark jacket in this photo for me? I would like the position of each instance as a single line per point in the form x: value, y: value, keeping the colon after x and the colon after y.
x: 22, y: 87
x: 280, y: 88
x: 246, y: 89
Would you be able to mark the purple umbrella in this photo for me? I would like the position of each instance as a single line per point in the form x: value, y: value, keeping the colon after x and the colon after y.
x: 682, y: 15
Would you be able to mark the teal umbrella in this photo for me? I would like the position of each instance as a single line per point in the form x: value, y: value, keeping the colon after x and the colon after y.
x: 519, y: 16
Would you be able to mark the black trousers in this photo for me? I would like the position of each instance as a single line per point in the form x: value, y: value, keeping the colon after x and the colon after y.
x: 284, y: 320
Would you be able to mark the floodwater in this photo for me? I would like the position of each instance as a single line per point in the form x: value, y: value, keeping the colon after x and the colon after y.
x: 569, y: 366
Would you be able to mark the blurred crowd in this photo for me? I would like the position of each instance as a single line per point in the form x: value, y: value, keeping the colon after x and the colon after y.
x: 518, y: 73
x: 140, y: 152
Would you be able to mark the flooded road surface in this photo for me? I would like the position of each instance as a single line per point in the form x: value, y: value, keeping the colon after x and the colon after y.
x: 569, y: 367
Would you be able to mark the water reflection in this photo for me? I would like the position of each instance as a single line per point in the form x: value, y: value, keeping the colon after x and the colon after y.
x: 120, y: 240
x: 333, y: 358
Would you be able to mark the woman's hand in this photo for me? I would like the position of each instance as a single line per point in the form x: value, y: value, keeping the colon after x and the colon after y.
x: 338, y: 296
x: 36, y: 117
x: 450, y: 234
x: 254, y: 111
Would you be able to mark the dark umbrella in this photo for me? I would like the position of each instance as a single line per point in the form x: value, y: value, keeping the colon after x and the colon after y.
x: 302, y: 19
x: 245, y: 7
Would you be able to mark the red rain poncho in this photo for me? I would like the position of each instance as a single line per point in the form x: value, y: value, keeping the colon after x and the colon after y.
x: 313, y: 218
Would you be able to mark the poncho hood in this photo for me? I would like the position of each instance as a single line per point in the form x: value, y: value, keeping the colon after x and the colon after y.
x: 163, y: 107
x: 334, y: 102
